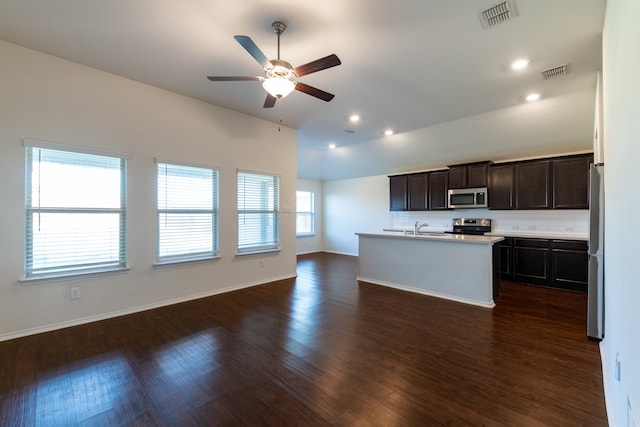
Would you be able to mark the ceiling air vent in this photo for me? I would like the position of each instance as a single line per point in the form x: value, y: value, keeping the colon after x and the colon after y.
x: 554, y: 72
x: 497, y: 14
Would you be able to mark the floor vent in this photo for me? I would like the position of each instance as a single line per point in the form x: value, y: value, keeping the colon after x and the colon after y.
x: 497, y: 14
x: 554, y: 72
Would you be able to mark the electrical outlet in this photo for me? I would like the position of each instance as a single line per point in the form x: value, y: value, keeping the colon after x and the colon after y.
x: 618, y: 373
x: 75, y: 293
x: 261, y: 263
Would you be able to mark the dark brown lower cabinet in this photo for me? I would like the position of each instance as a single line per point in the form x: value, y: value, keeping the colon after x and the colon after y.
x: 554, y: 263
x: 532, y: 261
x: 506, y: 258
x: 570, y: 263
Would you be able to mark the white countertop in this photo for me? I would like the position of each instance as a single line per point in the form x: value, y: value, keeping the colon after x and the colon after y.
x: 462, y: 238
x: 540, y: 235
x: 511, y: 233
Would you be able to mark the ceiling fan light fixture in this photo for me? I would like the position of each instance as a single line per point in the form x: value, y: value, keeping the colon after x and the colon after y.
x: 278, y: 86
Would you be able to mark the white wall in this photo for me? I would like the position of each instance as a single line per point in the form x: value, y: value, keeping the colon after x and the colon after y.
x: 352, y: 205
x: 570, y: 223
x: 47, y: 98
x: 621, y: 92
x: 310, y: 244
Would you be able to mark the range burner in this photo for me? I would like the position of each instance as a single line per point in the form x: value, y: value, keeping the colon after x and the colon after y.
x: 473, y: 226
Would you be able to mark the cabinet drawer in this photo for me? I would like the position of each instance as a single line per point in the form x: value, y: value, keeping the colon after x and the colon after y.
x: 570, y: 245
x: 531, y: 243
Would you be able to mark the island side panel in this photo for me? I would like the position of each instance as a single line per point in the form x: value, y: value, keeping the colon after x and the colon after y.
x: 449, y: 269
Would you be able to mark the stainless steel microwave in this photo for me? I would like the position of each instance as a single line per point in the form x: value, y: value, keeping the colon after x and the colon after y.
x: 467, y: 198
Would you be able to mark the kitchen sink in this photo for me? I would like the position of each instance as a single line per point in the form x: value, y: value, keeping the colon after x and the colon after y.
x: 425, y: 233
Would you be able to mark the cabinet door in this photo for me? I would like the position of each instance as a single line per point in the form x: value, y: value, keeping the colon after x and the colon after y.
x: 477, y: 175
x: 531, y: 259
x: 506, y: 259
x: 570, y: 261
x: 398, y: 193
x: 418, y: 191
x: 457, y: 177
x: 501, y: 188
x: 533, y: 185
x: 571, y: 182
x: 438, y: 190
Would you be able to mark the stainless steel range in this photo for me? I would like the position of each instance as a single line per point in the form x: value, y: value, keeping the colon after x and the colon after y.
x: 475, y: 226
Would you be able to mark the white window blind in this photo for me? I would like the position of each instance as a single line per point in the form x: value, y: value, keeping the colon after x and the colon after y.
x: 258, y: 212
x: 75, y: 212
x: 187, y: 213
x: 304, y: 213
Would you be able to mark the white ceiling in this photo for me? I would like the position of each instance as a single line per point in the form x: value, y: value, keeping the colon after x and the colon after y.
x: 425, y: 68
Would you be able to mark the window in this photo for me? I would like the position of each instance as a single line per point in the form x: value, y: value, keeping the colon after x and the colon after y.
x: 304, y: 213
x: 187, y: 213
x: 75, y: 211
x: 258, y: 212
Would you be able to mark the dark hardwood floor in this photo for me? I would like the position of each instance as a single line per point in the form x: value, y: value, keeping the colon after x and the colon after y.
x: 322, y: 349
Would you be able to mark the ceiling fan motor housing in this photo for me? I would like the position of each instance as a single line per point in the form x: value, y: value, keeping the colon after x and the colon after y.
x: 280, y: 69
x: 278, y: 27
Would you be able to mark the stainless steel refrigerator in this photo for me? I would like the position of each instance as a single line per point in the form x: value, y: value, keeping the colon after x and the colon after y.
x: 595, y: 309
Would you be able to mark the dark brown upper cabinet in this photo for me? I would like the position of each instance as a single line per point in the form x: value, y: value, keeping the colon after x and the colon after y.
x: 533, y: 184
x: 571, y: 182
x: 418, y: 191
x: 457, y: 177
x: 398, y: 194
x: 438, y: 184
x: 502, y: 194
x: 468, y: 176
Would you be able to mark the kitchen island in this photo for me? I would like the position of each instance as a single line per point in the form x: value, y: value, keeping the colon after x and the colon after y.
x: 462, y: 268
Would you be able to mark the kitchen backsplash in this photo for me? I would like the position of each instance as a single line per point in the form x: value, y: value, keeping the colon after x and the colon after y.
x: 563, y: 222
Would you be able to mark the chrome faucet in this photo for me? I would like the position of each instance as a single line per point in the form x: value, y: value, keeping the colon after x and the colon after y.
x: 417, y: 226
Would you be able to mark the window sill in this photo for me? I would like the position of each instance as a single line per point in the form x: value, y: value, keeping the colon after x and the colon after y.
x: 306, y: 235
x: 258, y: 251
x: 27, y: 281
x: 169, y: 263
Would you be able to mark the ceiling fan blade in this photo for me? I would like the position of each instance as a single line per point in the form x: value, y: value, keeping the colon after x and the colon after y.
x: 232, y: 78
x: 270, y: 101
x: 310, y: 90
x: 317, y: 65
x: 253, y: 50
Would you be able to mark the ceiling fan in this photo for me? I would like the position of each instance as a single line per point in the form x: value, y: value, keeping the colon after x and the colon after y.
x: 280, y: 76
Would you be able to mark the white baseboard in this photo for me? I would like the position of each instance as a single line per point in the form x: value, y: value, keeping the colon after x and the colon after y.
x: 429, y: 293
x: 131, y: 310
x: 339, y: 253
x: 607, y: 381
x: 309, y: 252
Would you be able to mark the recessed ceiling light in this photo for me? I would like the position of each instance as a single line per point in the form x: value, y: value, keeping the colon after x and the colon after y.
x: 519, y: 64
x: 533, y: 97
x: 354, y: 118
x: 388, y: 132
x: 332, y: 146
